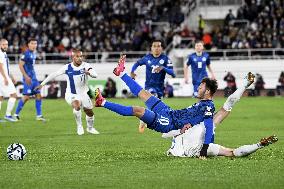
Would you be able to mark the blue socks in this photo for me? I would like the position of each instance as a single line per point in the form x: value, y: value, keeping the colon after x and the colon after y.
x: 120, y: 109
x: 19, y: 107
x: 38, y: 107
x: 134, y: 87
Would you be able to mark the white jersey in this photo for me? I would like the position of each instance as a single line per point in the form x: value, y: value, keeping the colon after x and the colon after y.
x: 5, y: 64
x: 77, y: 80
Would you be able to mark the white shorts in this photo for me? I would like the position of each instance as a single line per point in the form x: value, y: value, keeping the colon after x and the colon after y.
x: 84, y: 99
x: 7, y: 90
x: 188, y: 144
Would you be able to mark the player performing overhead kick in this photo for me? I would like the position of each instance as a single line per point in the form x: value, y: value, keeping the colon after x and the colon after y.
x: 159, y: 116
x: 188, y: 144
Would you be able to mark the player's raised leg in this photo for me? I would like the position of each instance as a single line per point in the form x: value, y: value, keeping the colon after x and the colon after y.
x: 233, y: 99
x: 140, y: 112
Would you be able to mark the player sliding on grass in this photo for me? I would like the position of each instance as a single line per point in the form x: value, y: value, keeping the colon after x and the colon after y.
x: 77, y: 73
x: 189, y: 143
x: 159, y: 116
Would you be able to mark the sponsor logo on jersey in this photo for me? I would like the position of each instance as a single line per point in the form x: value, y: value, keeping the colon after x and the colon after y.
x: 208, y: 111
x: 194, y: 60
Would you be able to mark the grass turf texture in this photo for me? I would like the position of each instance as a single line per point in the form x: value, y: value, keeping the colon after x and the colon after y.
x: 120, y: 157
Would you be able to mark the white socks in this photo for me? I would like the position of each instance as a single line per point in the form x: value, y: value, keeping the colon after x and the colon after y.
x: 78, y: 117
x: 90, y: 121
x: 10, y: 106
x: 246, y: 150
x: 234, y: 98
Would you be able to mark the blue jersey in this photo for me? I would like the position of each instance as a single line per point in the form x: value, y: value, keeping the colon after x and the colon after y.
x: 167, y: 119
x: 29, y: 58
x: 155, y: 80
x: 198, y: 66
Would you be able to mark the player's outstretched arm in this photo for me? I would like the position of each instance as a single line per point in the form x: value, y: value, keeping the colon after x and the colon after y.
x: 51, y: 76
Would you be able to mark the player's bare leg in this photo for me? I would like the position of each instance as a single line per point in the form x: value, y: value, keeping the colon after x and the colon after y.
x: 232, y: 99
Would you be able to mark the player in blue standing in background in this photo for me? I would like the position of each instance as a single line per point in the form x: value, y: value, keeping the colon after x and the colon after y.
x: 30, y: 81
x: 198, y: 62
x: 159, y: 116
x: 157, y: 66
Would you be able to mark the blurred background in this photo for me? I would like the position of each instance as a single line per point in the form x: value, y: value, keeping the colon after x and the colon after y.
x: 239, y: 35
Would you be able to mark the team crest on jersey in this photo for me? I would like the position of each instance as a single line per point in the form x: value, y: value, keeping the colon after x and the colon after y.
x: 203, y: 59
x: 149, y: 62
x: 82, y: 71
x: 161, y: 61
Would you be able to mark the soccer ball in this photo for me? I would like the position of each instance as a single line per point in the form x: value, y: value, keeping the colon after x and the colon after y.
x: 16, y: 151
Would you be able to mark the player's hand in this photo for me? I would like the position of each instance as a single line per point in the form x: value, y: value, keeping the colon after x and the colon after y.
x: 202, y: 157
x: 158, y: 69
x: 87, y: 73
x: 38, y: 87
x: 185, y: 127
x: 28, y: 80
x: 133, y: 75
x: 6, y: 82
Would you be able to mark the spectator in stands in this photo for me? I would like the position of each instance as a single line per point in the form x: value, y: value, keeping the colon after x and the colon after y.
x: 280, y: 87
x: 52, y: 90
x: 231, y: 84
x: 110, y: 88
x: 201, y: 26
x: 169, y: 90
x: 229, y: 17
x: 259, y: 85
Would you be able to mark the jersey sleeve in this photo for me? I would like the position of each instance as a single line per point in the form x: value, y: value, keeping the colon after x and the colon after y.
x: 2, y: 57
x: 91, y: 70
x: 189, y: 60
x: 169, y: 67
x: 140, y: 62
x: 208, y: 61
x: 208, y: 122
x: 24, y: 57
x: 54, y: 75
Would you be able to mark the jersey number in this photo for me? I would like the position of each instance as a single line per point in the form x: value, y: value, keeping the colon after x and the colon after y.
x: 153, y: 68
x: 164, y: 120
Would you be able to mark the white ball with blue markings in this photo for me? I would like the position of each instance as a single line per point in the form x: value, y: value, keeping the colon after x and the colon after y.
x: 16, y: 151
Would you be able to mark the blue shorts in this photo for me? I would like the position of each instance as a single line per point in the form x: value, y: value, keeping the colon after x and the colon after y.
x: 30, y: 89
x: 163, y: 121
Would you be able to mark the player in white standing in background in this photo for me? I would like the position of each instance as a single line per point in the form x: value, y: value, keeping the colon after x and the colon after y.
x: 77, y: 73
x: 187, y: 144
x: 7, y: 86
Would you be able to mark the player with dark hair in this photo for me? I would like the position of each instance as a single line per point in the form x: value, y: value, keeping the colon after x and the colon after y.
x: 30, y: 81
x: 159, y: 116
x: 157, y: 66
x: 198, y: 62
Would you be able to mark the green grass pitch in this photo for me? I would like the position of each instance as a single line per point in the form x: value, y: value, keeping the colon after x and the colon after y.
x: 120, y: 157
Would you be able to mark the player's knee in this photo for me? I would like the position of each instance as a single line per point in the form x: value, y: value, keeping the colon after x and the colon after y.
x: 14, y: 95
x: 76, y: 105
x: 89, y: 112
x: 138, y: 111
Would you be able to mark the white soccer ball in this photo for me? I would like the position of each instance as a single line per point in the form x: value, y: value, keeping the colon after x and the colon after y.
x: 16, y: 151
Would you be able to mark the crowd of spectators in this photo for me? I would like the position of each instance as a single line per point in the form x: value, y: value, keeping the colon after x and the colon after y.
x: 98, y: 25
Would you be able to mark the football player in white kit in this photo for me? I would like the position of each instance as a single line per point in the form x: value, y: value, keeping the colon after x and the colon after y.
x: 77, y: 73
x: 7, y: 87
x: 190, y: 143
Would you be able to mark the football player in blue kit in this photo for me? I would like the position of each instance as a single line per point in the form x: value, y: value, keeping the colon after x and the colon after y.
x: 30, y: 81
x: 157, y: 66
x: 159, y: 116
x: 198, y: 62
